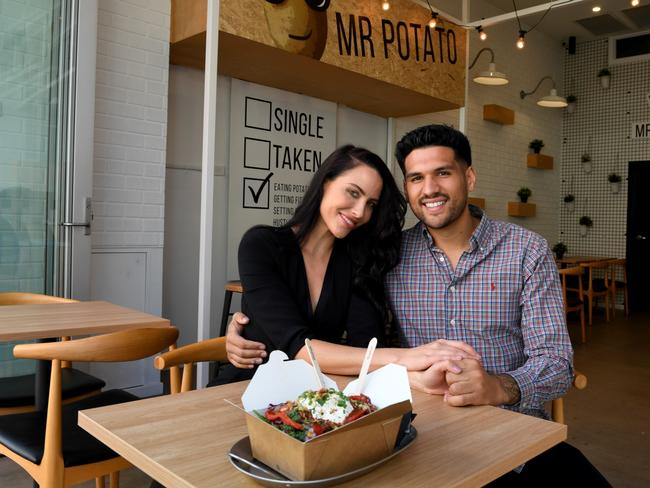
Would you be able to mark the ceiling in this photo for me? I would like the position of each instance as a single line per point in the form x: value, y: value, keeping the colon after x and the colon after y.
x: 615, y: 18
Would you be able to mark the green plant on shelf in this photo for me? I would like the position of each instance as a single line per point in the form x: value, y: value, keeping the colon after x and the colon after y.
x: 559, y: 249
x: 586, y: 221
x: 536, y: 145
x: 524, y: 194
x: 569, y: 198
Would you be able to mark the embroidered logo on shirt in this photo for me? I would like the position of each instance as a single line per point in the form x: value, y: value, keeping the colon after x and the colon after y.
x: 492, y: 287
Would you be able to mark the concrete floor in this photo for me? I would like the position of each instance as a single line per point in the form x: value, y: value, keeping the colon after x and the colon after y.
x: 609, y: 420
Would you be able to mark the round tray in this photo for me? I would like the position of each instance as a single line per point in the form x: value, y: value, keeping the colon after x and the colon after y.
x: 242, y: 459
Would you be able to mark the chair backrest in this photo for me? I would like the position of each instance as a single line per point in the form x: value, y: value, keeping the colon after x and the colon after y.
x: 618, y: 264
x: 207, y: 350
x: 126, y: 345
x: 573, y: 271
x: 557, y: 405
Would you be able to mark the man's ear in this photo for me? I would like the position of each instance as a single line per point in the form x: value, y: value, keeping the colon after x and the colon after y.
x: 470, y: 175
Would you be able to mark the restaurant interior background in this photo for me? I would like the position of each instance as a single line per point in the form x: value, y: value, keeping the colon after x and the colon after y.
x: 146, y: 168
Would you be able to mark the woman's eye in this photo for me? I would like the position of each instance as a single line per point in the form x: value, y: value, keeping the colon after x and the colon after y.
x: 354, y: 193
x: 318, y: 5
x: 372, y: 205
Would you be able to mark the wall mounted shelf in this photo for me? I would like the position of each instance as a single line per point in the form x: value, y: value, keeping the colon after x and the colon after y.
x: 540, y: 161
x: 518, y: 209
x: 498, y: 114
x: 477, y: 202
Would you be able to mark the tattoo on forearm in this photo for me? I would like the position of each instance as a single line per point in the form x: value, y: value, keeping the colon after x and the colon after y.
x: 511, y: 388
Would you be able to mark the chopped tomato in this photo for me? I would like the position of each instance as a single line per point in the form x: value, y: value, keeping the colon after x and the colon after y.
x: 357, y: 413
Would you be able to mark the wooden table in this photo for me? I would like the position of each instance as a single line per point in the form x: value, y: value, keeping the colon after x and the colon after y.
x: 42, y: 321
x: 183, y: 440
x: 576, y: 260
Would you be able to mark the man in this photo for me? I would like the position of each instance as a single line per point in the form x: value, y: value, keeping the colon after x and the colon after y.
x: 492, y: 285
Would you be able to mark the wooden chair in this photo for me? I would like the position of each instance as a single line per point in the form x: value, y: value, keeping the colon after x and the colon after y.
x: 50, y: 445
x: 207, y: 350
x: 573, y: 297
x: 557, y: 406
x: 618, y: 285
x: 230, y: 287
x: 595, y: 286
x: 17, y: 392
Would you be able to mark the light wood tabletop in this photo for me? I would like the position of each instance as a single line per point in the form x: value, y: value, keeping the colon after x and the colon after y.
x: 183, y: 440
x: 575, y: 260
x: 20, y: 322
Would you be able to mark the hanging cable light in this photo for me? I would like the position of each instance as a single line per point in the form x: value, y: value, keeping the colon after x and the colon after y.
x: 385, y: 5
x: 521, y: 42
x: 634, y: 3
x: 481, y: 33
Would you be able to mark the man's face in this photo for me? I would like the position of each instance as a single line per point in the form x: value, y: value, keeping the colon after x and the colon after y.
x: 437, y: 186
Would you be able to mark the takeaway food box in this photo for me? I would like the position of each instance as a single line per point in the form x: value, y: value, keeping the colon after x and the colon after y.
x: 352, y: 446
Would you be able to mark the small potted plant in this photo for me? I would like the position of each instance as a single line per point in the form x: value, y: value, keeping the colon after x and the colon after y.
x: 586, y: 162
x: 585, y: 224
x: 571, y: 101
x: 614, y: 182
x: 536, y: 145
x: 560, y: 250
x: 604, y: 76
x: 570, y: 202
x: 524, y: 193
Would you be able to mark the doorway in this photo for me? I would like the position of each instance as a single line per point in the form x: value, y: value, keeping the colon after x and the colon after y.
x: 638, y: 235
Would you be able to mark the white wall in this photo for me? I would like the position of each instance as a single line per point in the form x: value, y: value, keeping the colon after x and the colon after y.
x: 129, y: 161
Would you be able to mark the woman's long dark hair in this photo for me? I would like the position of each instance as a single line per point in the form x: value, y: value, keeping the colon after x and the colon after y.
x: 373, y: 247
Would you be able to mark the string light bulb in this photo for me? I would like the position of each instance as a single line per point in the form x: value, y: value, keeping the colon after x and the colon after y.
x: 481, y: 33
x: 434, y: 20
x: 634, y: 3
x: 385, y: 5
x: 521, y: 42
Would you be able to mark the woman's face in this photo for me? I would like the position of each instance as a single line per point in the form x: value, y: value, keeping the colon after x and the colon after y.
x: 349, y: 199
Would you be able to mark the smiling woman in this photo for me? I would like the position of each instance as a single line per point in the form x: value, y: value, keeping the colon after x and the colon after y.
x: 320, y: 276
x: 298, y: 26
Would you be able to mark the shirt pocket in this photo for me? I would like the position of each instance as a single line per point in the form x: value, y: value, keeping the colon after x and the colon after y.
x: 500, y: 299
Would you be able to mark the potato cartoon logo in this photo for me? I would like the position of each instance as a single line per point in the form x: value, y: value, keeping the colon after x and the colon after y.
x: 298, y: 26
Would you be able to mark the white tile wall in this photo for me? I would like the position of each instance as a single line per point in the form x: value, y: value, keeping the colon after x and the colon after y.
x: 601, y: 126
x: 131, y: 122
x: 499, y: 151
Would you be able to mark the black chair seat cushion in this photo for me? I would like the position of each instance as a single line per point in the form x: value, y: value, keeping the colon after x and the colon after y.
x: 598, y: 285
x: 18, y: 391
x: 24, y: 433
x: 573, y: 300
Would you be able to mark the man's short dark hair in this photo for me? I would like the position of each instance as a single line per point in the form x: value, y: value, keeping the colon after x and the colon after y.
x: 434, y: 135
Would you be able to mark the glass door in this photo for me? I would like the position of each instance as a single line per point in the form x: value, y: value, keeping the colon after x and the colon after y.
x: 39, y: 95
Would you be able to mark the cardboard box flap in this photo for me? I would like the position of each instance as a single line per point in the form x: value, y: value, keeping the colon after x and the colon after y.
x: 280, y: 380
x: 385, y: 386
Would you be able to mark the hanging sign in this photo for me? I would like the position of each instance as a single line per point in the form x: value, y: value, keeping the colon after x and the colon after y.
x: 278, y: 140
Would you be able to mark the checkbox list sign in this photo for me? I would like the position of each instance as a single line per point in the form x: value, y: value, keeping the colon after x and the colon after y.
x: 256, y: 192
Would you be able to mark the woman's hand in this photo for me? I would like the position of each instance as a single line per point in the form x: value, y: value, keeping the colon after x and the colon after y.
x: 433, y: 379
x: 242, y: 353
x: 421, y: 357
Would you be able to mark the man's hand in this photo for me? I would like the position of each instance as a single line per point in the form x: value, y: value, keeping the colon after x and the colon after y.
x: 422, y: 357
x: 474, y: 386
x: 242, y: 353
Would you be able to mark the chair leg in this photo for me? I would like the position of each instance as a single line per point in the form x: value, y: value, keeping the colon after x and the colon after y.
x: 607, y: 307
x: 99, y: 482
x: 627, y: 312
x: 582, y: 325
x: 591, y: 309
x: 115, y: 480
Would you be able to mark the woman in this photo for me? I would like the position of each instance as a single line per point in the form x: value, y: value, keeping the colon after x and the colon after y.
x: 321, y: 275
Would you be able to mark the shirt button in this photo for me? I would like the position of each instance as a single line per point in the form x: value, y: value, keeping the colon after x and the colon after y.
x: 453, y: 322
x: 442, y: 259
x: 452, y: 288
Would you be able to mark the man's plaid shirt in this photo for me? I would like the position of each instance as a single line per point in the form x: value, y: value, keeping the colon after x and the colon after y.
x: 504, y: 299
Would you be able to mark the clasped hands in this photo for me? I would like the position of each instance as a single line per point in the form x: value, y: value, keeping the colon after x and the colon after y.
x: 441, y: 367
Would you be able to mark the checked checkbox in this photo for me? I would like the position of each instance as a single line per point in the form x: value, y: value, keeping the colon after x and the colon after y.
x: 256, y: 192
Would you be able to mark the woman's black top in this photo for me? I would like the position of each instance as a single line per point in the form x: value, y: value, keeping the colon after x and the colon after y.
x: 277, y: 300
